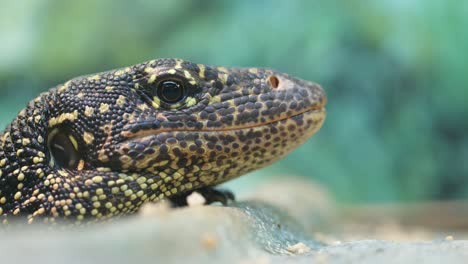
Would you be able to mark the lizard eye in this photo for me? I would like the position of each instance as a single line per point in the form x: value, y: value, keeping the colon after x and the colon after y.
x: 63, y: 150
x: 170, y: 91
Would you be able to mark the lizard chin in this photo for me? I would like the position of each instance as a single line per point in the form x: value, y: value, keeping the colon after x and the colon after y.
x: 206, y: 158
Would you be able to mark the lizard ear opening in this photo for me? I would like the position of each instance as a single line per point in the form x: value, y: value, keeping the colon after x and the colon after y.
x: 63, y: 150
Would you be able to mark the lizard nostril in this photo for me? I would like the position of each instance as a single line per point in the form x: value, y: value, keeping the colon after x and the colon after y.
x: 274, y: 81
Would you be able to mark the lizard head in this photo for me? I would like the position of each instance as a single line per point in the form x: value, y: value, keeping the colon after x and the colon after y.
x: 101, y: 145
x: 187, y: 124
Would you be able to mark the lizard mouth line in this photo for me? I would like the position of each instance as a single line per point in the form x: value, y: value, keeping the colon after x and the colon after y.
x: 151, y: 132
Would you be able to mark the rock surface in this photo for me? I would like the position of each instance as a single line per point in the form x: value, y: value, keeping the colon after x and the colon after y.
x: 285, y: 223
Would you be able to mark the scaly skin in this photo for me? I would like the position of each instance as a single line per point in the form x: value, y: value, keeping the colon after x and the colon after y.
x: 134, y: 148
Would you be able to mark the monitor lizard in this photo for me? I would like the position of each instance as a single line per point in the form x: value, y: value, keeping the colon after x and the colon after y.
x: 100, y: 146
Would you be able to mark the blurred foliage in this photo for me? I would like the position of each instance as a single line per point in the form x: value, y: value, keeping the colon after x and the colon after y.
x: 394, y: 71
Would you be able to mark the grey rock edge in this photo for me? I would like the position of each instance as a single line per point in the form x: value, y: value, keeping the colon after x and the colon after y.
x: 275, y: 227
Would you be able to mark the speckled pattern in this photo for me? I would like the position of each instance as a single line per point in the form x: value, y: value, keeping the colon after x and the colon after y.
x: 132, y: 147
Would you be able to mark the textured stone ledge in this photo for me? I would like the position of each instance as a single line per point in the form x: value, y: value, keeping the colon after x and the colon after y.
x: 285, y: 222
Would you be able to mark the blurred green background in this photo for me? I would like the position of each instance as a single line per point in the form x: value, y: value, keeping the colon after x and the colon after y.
x: 395, y: 72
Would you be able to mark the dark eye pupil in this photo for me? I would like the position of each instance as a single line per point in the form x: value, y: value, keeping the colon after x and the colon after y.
x: 170, y: 91
x: 62, y: 151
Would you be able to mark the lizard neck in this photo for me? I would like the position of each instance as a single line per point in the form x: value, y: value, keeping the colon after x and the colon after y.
x: 22, y: 157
